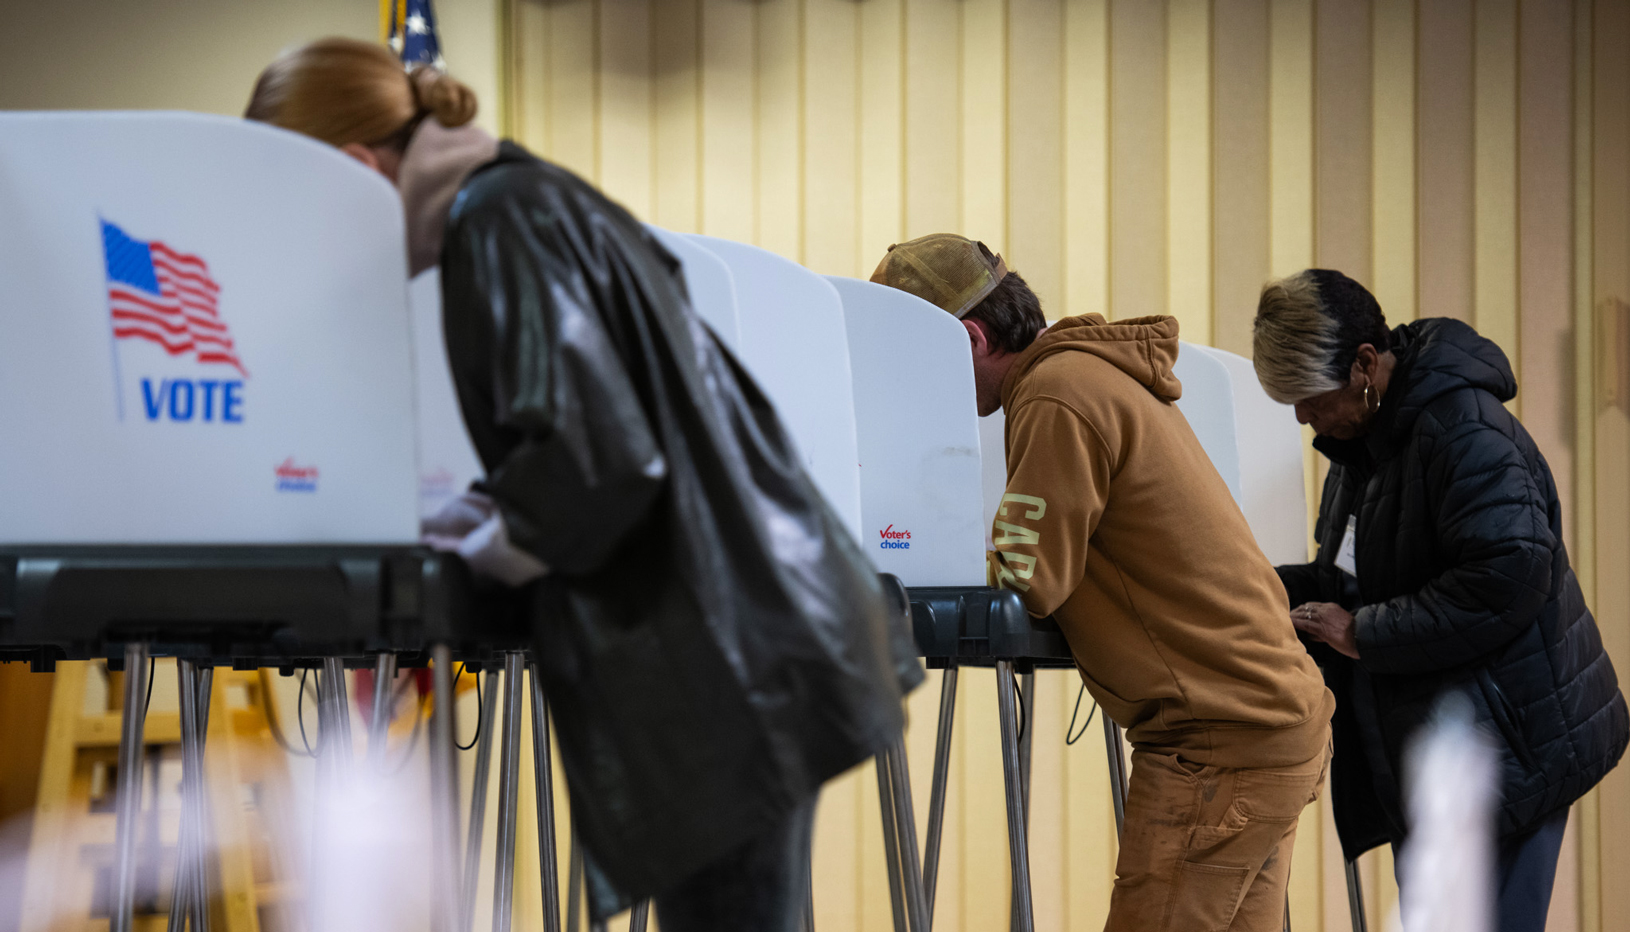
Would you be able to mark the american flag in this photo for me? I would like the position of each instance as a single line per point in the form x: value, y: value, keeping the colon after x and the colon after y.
x: 411, y: 33
x: 166, y: 297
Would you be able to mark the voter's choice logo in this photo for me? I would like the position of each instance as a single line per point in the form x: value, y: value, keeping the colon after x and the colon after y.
x: 292, y: 477
x: 164, y: 310
x: 894, y: 540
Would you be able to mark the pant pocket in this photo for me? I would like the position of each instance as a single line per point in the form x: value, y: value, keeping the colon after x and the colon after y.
x: 1206, y: 898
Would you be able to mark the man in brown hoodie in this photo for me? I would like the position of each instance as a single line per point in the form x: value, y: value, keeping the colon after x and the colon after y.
x: 1116, y: 523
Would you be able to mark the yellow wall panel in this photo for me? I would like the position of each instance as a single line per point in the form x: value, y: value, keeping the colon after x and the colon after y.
x: 1393, y: 212
x: 1240, y: 191
x: 1035, y: 148
x: 625, y: 145
x: 831, y: 164
x: 1188, y: 167
x: 729, y: 104
x: 1341, y: 147
x: 881, y: 192
x: 676, y: 125
x: 1290, y: 136
x: 1447, y: 171
x: 778, y: 195
x: 1137, y: 159
x: 1495, y: 176
x: 984, y: 121
x: 933, y: 117
x: 573, y: 88
x: 1086, y: 158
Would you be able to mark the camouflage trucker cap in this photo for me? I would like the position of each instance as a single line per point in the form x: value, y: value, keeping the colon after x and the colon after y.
x: 951, y: 272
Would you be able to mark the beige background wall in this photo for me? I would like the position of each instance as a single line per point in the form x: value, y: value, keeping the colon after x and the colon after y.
x: 1466, y: 158
x: 1129, y: 156
x: 199, y: 55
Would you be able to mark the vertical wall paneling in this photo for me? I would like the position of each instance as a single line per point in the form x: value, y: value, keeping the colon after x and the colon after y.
x: 1086, y: 157
x: 832, y: 120
x: 573, y: 87
x: 984, y: 121
x: 881, y: 191
x: 1544, y: 155
x: 1495, y: 175
x: 1240, y: 192
x: 1392, y: 278
x: 779, y: 123
x: 626, y: 154
x: 1447, y: 173
x: 1035, y: 148
x: 1342, y: 136
x: 1137, y: 158
x: 1468, y: 158
x: 676, y: 122
x: 1188, y: 167
x: 729, y: 103
x: 527, y: 39
x: 1611, y: 271
x: 933, y: 124
x: 1584, y: 360
x: 1290, y: 136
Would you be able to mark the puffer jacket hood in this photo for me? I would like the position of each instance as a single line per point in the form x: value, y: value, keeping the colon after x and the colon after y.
x: 1145, y: 348
x: 1435, y: 357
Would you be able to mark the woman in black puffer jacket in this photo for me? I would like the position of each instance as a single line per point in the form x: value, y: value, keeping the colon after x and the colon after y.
x: 1441, y: 567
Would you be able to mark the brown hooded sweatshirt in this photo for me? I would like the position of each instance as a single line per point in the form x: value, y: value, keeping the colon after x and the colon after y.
x: 1116, y: 523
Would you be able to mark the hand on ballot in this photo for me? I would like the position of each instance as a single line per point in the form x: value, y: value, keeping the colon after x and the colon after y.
x: 473, y: 527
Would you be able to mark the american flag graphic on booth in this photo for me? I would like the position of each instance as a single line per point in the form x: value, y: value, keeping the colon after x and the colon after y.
x: 165, y: 297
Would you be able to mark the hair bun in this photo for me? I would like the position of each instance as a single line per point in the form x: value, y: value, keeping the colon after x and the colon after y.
x: 445, y: 97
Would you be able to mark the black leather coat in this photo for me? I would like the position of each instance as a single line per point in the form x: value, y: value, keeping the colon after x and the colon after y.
x: 713, y: 642
x: 1463, y: 584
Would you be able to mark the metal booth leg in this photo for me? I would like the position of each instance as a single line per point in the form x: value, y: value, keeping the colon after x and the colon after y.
x: 891, y: 841
x: 1027, y: 708
x: 906, y: 819
x: 128, y: 800
x: 637, y: 918
x: 1117, y: 770
x: 509, y: 773
x: 1355, y: 897
x: 384, y: 707
x: 334, y: 723
x: 544, y: 780
x: 443, y: 793
x: 189, y: 893
x: 478, y: 804
x: 936, y: 798
x: 1018, y: 844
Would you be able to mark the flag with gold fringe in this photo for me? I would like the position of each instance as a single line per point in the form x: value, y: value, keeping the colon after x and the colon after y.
x: 409, y: 28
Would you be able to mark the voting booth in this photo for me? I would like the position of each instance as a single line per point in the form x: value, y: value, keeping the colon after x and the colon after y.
x: 208, y: 394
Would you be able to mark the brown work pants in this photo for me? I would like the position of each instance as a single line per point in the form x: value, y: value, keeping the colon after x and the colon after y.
x: 1207, y: 849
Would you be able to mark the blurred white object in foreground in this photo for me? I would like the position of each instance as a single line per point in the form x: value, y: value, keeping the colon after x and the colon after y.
x: 1446, y: 869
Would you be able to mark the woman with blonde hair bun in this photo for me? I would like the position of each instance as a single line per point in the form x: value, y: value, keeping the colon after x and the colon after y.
x: 713, y: 643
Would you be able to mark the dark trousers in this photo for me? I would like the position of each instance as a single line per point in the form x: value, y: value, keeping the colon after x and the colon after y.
x: 762, y: 886
x: 1525, y: 870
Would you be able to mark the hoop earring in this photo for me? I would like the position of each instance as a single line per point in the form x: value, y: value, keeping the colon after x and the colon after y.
x: 1371, y: 404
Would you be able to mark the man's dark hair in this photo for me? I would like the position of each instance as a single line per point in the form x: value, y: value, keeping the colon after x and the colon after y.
x: 1011, y: 314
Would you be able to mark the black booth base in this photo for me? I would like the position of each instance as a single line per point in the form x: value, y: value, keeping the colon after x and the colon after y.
x: 249, y: 606
x: 977, y: 626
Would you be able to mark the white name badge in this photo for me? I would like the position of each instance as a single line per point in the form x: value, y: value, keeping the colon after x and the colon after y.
x: 1345, y: 559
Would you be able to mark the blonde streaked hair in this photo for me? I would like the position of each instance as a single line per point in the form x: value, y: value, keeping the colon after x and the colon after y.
x: 1307, y: 332
x: 343, y: 91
